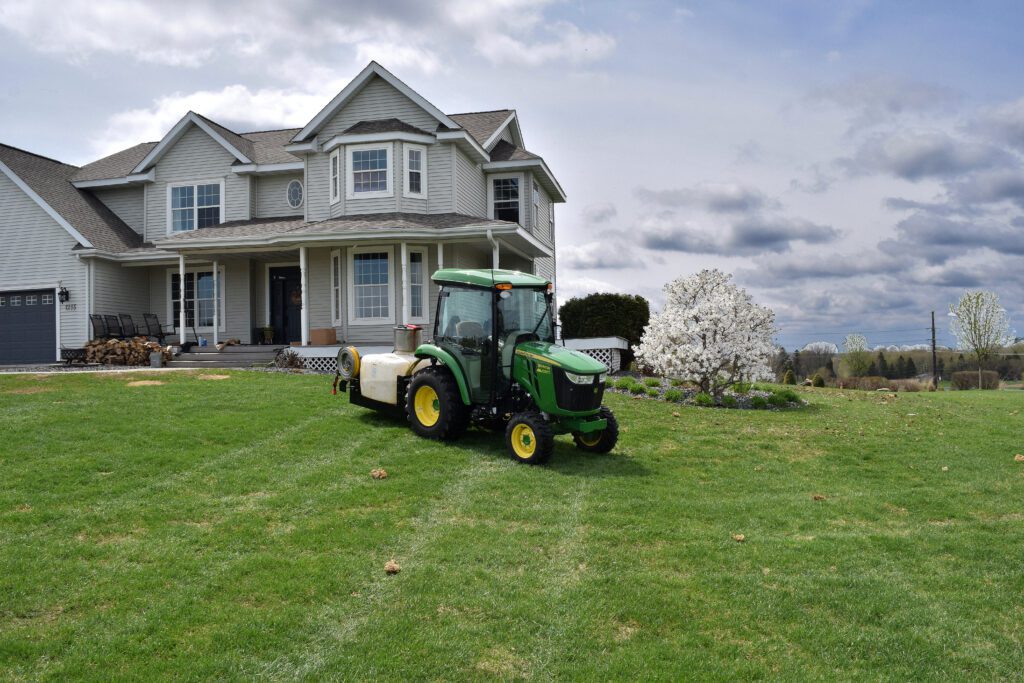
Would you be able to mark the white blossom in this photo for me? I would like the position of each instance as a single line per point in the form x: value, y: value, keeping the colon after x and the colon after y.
x: 980, y: 325
x: 710, y: 332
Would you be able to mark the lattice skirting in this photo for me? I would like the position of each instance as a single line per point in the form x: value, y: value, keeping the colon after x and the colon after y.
x: 610, y: 357
x: 321, y: 364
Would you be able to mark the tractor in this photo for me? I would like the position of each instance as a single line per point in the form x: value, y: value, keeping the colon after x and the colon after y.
x: 492, y: 362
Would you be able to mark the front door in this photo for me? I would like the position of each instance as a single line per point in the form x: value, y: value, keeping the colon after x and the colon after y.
x: 286, y: 304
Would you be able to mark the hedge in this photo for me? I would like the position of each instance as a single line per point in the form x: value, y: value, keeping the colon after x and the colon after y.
x: 968, y: 379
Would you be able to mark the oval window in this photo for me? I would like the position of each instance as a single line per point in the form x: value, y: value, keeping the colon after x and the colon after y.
x: 295, y: 194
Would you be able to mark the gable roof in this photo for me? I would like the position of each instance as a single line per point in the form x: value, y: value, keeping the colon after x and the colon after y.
x: 352, y: 89
x: 482, y: 125
x: 116, y: 165
x: 268, y: 145
x: 234, y: 143
x: 48, y: 183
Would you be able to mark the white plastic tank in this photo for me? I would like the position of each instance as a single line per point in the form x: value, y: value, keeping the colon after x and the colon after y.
x: 379, y: 373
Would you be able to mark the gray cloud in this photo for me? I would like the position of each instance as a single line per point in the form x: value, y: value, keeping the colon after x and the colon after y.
x: 611, y: 253
x: 600, y: 213
x: 923, y: 154
x: 1004, y: 123
x: 748, y: 236
x: 877, y: 98
x: 713, y: 197
x: 990, y: 187
x: 938, y: 239
x: 817, y: 183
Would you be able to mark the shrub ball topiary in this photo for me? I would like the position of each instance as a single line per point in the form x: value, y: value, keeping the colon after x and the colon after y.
x: 789, y: 378
x: 817, y: 381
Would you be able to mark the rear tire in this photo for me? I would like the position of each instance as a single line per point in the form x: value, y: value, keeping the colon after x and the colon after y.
x: 529, y: 439
x: 603, y: 441
x: 434, y: 407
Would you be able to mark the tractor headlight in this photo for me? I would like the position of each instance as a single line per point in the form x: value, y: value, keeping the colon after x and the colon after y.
x: 579, y: 379
x: 602, y: 377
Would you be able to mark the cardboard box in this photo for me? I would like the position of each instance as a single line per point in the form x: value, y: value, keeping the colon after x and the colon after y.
x: 323, y: 336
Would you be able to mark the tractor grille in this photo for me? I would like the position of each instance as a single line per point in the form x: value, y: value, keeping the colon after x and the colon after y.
x: 577, y: 397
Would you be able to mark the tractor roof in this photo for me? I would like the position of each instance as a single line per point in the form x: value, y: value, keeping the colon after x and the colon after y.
x: 487, y: 278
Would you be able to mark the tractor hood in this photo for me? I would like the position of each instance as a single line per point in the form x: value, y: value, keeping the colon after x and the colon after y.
x: 559, y: 356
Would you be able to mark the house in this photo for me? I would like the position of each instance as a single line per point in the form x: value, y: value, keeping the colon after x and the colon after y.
x: 337, y: 225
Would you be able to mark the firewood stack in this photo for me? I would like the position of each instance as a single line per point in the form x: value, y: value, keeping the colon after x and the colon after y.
x: 133, y: 351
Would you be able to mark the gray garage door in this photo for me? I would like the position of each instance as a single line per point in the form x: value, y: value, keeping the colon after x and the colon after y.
x: 28, y: 326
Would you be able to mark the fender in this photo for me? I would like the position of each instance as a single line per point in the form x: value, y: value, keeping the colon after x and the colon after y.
x: 439, y: 354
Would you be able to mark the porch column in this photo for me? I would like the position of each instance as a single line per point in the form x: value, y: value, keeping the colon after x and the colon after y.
x: 181, y: 298
x: 495, y: 255
x: 304, y: 285
x: 216, y: 303
x: 405, y: 285
x: 440, y: 255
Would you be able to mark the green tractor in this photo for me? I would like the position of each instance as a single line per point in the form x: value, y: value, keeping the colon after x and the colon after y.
x: 493, y: 362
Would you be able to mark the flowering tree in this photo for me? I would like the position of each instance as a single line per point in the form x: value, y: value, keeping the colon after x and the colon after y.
x: 711, y: 332
x: 980, y: 325
x: 858, y: 360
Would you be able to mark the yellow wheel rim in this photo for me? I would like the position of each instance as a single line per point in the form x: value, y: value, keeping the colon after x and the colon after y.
x: 591, y: 439
x: 524, y: 441
x: 427, y: 406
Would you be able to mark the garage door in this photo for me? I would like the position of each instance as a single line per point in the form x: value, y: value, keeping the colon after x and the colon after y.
x: 28, y: 326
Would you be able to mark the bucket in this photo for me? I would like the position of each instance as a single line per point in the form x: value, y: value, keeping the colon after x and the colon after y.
x: 156, y: 359
x: 407, y: 338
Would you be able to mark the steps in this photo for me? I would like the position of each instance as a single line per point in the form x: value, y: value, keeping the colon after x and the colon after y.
x: 231, y: 357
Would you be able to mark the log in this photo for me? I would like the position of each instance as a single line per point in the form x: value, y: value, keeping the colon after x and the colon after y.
x: 133, y: 351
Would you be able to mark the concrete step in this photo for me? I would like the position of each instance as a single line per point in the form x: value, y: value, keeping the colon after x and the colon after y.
x: 216, y: 363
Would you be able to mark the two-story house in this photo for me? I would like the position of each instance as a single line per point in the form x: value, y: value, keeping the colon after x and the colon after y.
x: 338, y: 224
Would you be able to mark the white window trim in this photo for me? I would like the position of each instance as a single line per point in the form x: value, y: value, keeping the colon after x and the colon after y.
x: 195, y: 214
x: 287, y: 198
x: 174, y: 315
x: 491, y: 177
x: 535, y: 196
x: 336, y: 290
x: 389, y: 150
x: 426, y: 284
x: 334, y: 180
x: 350, y: 281
x: 406, y: 148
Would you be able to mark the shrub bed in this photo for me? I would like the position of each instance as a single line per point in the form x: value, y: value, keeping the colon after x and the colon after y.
x: 968, y: 379
x: 744, y: 396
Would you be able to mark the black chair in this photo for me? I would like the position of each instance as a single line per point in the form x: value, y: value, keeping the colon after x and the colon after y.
x: 99, y: 328
x: 128, y: 326
x: 114, y: 330
x: 154, y: 328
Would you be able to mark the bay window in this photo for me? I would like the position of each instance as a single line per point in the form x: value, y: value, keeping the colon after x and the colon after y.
x: 195, y: 205
x: 369, y: 171
x: 415, y: 171
x: 417, y: 286
x: 371, y: 285
x: 503, y: 192
x: 335, y: 172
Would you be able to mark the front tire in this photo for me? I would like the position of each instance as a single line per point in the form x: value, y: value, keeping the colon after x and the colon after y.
x: 434, y: 406
x: 599, y: 442
x: 529, y: 439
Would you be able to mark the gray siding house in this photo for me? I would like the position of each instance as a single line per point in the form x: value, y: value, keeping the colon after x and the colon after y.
x: 337, y: 225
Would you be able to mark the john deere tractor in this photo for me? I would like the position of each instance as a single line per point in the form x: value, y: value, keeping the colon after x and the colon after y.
x: 492, y: 361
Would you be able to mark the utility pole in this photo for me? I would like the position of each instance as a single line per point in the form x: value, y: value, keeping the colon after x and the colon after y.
x: 935, y: 367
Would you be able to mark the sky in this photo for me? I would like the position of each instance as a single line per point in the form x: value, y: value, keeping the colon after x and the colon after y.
x: 855, y: 165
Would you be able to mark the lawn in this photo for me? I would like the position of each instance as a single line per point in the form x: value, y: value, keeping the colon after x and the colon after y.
x: 230, y: 529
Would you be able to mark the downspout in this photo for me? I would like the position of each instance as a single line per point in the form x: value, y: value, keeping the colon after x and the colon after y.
x: 495, y: 249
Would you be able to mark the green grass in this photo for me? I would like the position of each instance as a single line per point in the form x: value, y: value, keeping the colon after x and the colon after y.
x: 231, y: 530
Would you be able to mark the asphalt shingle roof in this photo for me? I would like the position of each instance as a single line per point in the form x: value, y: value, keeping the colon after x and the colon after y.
x: 506, y: 151
x: 481, y: 124
x: 384, y: 126
x: 117, y: 165
x: 51, y: 180
x: 268, y: 145
x: 264, y: 227
x: 240, y: 143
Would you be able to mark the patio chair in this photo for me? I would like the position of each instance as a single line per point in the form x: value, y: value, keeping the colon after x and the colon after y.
x: 154, y: 328
x: 99, y: 328
x: 114, y: 330
x: 128, y: 326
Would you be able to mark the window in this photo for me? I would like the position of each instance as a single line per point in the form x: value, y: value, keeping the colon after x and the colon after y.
x: 198, y: 299
x: 336, y: 288
x: 371, y: 297
x: 15, y: 300
x: 536, y: 206
x: 31, y: 300
x: 417, y: 285
x: 3, y: 301
x: 369, y: 171
x: 505, y: 198
x: 415, y: 171
x: 335, y: 176
x: 294, y: 194
x: 47, y: 299
x: 194, y: 206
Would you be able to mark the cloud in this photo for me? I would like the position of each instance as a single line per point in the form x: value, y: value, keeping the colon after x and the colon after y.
x: 713, y: 197
x: 571, y: 287
x: 748, y: 236
x: 878, y: 98
x: 407, y: 34
x: 1004, y: 123
x: 923, y: 154
x: 938, y: 239
x: 817, y: 183
x: 783, y: 270
x: 600, y: 213
x: 609, y: 254
x: 990, y: 187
